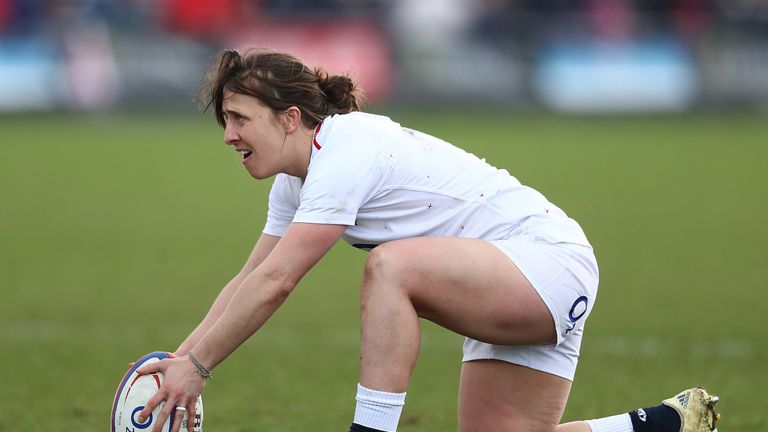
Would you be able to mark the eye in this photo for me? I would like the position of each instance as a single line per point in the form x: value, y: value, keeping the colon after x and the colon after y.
x: 234, y: 117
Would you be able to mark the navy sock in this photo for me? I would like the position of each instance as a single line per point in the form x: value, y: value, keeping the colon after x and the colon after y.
x: 660, y: 418
x: 360, y: 428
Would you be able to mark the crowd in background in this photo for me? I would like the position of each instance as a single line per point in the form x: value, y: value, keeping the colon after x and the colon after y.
x: 426, y: 49
x: 491, y: 20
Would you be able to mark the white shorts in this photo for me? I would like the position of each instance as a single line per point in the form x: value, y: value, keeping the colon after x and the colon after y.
x: 566, y: 276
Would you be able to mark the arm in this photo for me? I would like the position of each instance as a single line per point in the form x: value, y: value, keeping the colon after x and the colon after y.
x: 263, y: 248
x: 259, y: 295
x: 266, y: 288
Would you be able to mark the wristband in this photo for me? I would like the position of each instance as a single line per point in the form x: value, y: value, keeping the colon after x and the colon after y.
x: 201, y: 370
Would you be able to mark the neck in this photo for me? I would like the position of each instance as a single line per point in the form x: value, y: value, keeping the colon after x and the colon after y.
x: 300, y: 141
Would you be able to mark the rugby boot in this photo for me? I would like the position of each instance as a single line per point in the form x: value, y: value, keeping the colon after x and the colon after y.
x: 697, y: 410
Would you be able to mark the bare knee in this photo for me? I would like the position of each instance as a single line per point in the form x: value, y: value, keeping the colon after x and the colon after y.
x: 501, y: 418
x: 384, y: 266
x: 495, y: 395
x: 375, y: 265
x: 386, y: 275
x: 505, y: 423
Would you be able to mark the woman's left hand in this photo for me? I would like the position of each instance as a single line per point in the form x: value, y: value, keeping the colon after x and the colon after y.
x: 180, y: 389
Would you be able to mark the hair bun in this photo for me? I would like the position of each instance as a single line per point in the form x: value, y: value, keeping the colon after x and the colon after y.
x: 339, y: 90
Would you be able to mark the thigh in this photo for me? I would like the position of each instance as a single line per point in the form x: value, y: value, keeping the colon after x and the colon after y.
x: 496, y: 395
x: 466, y: 285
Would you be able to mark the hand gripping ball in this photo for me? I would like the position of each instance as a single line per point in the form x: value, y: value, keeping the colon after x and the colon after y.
x: 133, y: 393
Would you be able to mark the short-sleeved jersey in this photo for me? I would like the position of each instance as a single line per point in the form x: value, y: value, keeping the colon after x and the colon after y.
x: 388, y: 182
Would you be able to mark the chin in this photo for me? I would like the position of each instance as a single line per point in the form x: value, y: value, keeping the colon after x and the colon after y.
x: 260, y: 175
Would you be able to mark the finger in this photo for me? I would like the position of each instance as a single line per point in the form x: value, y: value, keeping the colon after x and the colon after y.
x: 152, y: 403
x: 153, y: 367
x: 191, y: 414
x: 178, y: 412
x: 165, y: 412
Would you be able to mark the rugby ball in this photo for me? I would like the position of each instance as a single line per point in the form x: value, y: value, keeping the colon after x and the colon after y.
x: 133, y: 393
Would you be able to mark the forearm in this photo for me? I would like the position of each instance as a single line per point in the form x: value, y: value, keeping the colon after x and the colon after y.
x: 265, y: 289
x: 254, y: 302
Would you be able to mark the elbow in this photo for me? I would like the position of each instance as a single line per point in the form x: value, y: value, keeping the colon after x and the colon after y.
x: 282, y: 292
x: 280, y: 285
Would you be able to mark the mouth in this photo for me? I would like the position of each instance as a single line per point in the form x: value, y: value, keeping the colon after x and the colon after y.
x: 245, y: 154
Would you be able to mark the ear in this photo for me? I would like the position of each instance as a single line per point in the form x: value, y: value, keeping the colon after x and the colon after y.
x: 291, y: 119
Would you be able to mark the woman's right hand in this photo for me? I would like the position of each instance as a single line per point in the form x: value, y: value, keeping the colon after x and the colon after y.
x: 181, y: 386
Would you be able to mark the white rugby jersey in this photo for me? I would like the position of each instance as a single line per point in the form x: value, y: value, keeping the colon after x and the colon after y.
x: 388, y: 182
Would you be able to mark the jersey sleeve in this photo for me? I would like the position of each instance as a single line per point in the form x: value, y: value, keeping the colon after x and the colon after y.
x: 345, y: 174
x: 283, y: 202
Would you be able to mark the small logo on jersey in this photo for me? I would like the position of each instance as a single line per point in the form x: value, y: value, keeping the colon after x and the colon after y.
x: 642, y: 415
x: 578, y: 310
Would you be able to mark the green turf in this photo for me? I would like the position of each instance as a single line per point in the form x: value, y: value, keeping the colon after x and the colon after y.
x: 117, y: 231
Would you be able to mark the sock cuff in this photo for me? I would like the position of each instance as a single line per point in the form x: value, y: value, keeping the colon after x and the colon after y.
x: 378, y: 410
x: 617, y: 423
x: 660, y: 418
x: 379, y: 397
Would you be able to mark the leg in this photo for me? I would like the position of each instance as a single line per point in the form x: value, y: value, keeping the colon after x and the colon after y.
x: 692, y: 410
x: 495, y: 395
x: 475, y: 289
x: 466, y: 285
x: 500, y: 396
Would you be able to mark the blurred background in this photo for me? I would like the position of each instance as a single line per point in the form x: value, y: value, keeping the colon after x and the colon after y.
x: 561, y: 55
x: 122, y: 213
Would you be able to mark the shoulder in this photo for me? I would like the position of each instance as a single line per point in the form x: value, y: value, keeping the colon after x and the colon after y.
x: 357, y: 135
x: 356, y: 124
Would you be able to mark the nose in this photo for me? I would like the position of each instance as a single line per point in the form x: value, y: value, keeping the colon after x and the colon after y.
x: 230, y: 135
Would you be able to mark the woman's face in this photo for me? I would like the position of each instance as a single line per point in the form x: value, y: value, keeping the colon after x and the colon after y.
x: 257, y: 134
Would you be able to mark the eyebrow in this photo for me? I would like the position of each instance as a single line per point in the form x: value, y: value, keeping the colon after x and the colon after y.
x: 229, y: 112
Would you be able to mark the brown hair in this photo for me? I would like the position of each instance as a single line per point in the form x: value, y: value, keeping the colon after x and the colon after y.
x: 280, y: 81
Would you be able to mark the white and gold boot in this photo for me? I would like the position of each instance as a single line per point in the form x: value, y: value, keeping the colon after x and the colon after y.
x: 697, y: 410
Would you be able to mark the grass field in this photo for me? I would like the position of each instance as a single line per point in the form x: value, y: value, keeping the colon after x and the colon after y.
x: 117, y: 231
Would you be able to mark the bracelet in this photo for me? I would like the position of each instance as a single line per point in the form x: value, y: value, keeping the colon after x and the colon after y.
x: 201, y: 370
